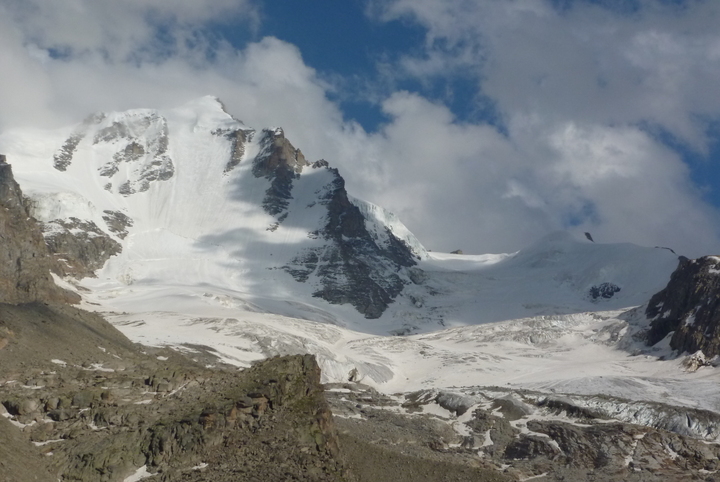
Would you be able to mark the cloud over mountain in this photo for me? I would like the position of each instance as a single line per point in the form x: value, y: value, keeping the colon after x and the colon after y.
x: 589, y: 104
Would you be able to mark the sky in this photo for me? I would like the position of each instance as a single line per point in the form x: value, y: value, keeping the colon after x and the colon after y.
x: 483, y: 124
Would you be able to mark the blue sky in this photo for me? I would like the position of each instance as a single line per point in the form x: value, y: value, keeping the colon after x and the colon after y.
x: 483, y: 124
x: 346, y: 46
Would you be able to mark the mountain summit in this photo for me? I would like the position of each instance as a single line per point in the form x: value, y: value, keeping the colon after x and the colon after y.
x: 191, y: 192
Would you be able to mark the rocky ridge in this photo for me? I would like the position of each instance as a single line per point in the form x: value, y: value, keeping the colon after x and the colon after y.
x: 25, y: 269
x: 353, y: 267
x: 688, y: 309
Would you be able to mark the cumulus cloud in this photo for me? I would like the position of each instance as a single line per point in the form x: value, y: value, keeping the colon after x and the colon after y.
x: 657, y: 64
x: 65, y: 59
x: 119, y: 31
x: 579, y: 92
x: 582, y: 92
x: 468, y: 186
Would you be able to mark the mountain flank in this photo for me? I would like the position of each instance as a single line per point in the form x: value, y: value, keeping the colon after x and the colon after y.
x: 79, y: 401
x: 25, y: 267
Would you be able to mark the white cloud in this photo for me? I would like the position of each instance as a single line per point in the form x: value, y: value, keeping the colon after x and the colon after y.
x: 118, y: 31
x: 571, y: 87
x: 658, y: 65
x: 111, y: 56
x: 460, y: 185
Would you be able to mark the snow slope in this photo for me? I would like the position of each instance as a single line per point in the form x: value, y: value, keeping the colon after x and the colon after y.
x: 553, y: 276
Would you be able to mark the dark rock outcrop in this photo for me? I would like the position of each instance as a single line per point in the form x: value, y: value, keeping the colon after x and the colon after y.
x: 117, y: 222
x: 281, y: 164
x: 603, y: 291
x: 79, y: 247
x: 689, y: 307
x: 64, y: 156
x: 353, y: 267
x: 238, y: 138
x: 24, y: 262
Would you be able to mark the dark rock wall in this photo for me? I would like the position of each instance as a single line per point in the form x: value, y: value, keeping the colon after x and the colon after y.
x: 352, y: 268
x: 281, y: 164
x: 79, y: 247
x: 355, y: 269
x: 689, y: 306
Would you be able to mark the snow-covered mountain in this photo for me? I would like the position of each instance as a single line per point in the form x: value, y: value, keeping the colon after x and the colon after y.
x: 189, y: 204
x: 192, y: 197
x: 194, y: 224
x: 187, y: 228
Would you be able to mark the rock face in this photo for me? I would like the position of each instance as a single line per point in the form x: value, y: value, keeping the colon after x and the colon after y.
x: 372, y: 271
x: 79, y: 247
x: 280, y: 163
x: 25, y: 267
x: 138, y: 145
x: 353, y: 267
x: 603, y: 291
x: 689, y: 307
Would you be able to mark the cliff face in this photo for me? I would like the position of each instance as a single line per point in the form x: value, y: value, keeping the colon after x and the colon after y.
x: 351, y: 267
x: 25, y: 267
x: 689, y: 307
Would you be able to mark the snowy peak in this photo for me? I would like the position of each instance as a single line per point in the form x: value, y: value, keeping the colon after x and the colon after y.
x: 191, y: 199
x: 132, y: 148
x: 194, y: 189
